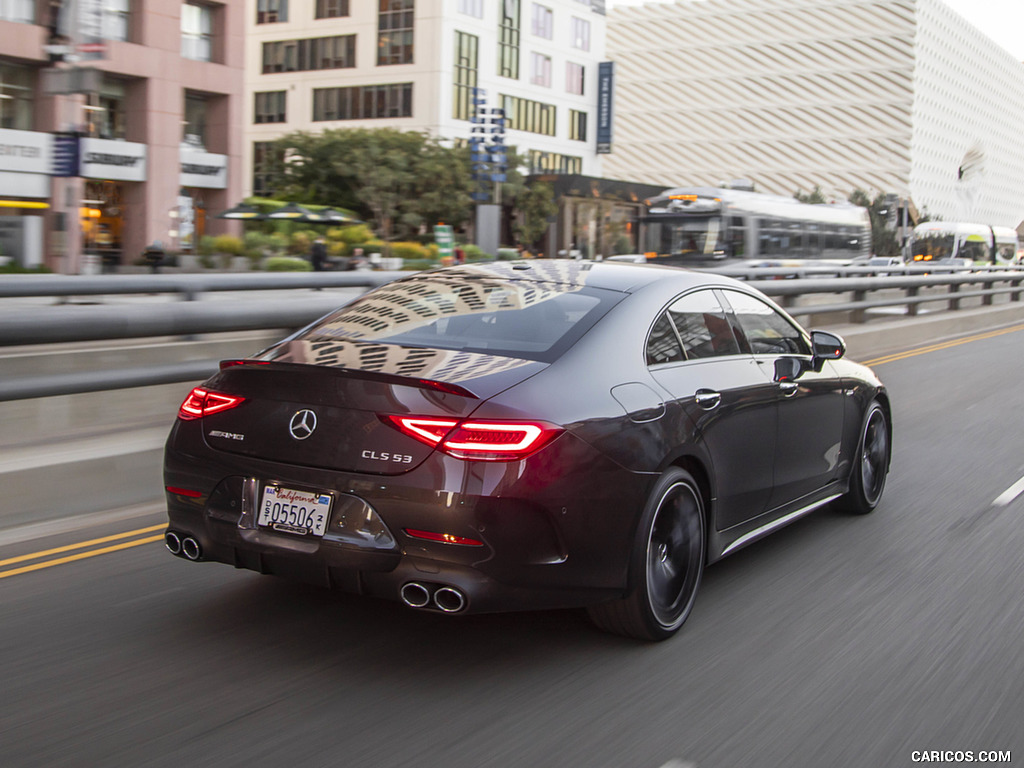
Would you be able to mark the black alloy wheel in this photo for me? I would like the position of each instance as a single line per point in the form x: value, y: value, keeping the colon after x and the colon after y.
x: 667, y: 563
x: 871, y: 465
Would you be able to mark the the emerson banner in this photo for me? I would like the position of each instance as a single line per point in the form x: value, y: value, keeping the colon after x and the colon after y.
x: 605, y: 87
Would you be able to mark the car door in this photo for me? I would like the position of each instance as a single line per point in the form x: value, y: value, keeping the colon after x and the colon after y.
x: 811, y: 407
x: 694, y: 354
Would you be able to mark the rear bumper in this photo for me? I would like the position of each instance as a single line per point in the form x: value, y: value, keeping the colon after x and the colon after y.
x: 554, y: 530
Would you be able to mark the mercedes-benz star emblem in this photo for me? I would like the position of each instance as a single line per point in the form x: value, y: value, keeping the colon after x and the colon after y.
x: 303, y: 424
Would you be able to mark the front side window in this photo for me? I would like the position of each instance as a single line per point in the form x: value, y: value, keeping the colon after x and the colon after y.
x: 580, y: 34
x: 703, y: 326
x: 395, y: 21
x: 767, y: 331
x: 196, y: 32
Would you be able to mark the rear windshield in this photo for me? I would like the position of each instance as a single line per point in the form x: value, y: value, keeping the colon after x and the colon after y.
x: 512, y: 318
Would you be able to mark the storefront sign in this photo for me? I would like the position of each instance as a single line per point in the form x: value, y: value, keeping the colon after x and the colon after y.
x: 25, y: 159
x: 203, y: 169
x: 605, y: 88
x: 113, y: 160
x: 25, y: 151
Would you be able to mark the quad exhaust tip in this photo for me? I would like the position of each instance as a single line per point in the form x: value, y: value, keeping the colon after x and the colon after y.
x: 184, y: 546
x: 433, y: 596
x: 173, y: 542
x: 190, y: 549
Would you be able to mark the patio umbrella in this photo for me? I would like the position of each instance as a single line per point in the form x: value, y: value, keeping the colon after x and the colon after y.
x: 242, y: 211
x: 334, y: 216
x: 295, y: 212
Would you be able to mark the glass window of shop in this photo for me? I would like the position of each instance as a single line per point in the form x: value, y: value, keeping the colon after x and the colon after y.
x: 21, y: 11
x: 102, y: 215
x: 196, y: 32
x: 195, y: 125
x: 15, y: 97
x: 105, y: 111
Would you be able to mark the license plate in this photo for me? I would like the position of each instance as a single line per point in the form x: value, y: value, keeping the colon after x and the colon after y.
x: 291, y: 511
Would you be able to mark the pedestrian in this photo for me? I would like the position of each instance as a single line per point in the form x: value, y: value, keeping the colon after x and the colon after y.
x: 318, y: 256
x: 154, y: 256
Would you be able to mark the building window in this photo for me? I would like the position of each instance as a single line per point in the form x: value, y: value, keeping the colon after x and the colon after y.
x: 194, y: 128
x: 116, y: 18
x: 331, y: 9
x: 580, y: 34
x: 542, y: 22
x: 337, y: 52
x: 577, y: 125
x: 362, y: 102
x: 21, y: 11
x: 265, y: 158
x: 540, y: 70
x: 105, y: 111
x: 466, y: 66
x: 527, y: 115
x: 473, y: 8
x: 270, y: 107
x: 269, y: 11
x: 552, y: 162
x: 508, y: 39
x: 394, y: 32
x: 196, y: 32
x: 16, y: 88
x: 574, y: 78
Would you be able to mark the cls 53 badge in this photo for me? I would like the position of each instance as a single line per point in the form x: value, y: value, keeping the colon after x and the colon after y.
x: 399, y: 458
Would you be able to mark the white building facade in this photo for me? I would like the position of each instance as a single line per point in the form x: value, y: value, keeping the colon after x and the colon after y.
x: 313, y: 65
x: 893, y: 96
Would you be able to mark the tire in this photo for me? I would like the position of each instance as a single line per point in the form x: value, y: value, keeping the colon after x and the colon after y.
x: 666, y: 564
x: 871, y: 465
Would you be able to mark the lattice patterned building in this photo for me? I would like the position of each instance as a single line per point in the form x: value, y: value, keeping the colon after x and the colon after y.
x: 895, y: 96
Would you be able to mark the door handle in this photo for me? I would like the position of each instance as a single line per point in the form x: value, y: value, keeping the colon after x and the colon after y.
x: 788, y: 388
x: 707, y: 398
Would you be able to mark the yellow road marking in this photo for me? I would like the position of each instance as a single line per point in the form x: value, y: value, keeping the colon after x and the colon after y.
x: 82, y: 545
x: 944, y: 345
x: 80, y: 556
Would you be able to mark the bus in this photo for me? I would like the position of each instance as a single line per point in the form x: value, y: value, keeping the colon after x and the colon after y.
x: 956, y: 242
x: 710, y: 226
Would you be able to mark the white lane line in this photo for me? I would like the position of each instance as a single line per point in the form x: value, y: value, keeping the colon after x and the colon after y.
x: 1009, y: 494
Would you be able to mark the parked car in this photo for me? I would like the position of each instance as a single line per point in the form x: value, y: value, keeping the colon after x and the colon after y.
x: 886, y: 265
x: 523, y: 435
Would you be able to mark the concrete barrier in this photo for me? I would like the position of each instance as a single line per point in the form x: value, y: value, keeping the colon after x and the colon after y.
x: 76, y: 454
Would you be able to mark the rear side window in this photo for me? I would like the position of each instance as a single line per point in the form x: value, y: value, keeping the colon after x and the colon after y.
x: 512, y: 318
x: 663, y: 343
x: 767, y: 330
x: 703, y: 326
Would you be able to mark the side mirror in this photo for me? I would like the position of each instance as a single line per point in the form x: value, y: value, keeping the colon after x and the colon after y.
x: 827, y: 346
x: 788, y: 369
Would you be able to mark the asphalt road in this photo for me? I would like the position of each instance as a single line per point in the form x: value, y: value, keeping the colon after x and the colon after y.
x: 839, y: 641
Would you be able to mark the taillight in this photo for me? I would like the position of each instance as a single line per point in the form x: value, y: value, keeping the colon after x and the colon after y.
x: 478, y: 440
x: 201, y: 402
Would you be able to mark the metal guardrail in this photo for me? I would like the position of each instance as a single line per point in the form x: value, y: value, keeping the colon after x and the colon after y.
x: 63, y: 324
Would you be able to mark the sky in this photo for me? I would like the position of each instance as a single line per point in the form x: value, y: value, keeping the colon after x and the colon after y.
x: 1001, y: 20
